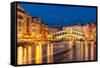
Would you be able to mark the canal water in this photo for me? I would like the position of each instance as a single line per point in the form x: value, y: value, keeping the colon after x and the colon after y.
x: 54, y: 52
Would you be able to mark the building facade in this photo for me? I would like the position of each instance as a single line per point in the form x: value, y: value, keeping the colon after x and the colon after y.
x: 29, y: 26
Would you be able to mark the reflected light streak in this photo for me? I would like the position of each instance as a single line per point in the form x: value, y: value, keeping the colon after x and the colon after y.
x: 38, y: 54
x: 20, y: 55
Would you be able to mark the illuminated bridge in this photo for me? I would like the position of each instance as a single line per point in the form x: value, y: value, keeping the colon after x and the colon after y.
x: 68, y: 34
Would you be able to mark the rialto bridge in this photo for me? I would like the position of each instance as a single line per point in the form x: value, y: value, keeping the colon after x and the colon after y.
x: 32, y: 51
x: 68, y: 34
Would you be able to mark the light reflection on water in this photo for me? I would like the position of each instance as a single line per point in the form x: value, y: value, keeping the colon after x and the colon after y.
x: 52, y: 52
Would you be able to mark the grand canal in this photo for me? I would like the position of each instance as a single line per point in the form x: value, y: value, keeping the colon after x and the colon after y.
x: 39, y: 52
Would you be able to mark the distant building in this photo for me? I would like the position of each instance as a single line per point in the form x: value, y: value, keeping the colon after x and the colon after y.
x: 90, y: 31
x: 77, y: 27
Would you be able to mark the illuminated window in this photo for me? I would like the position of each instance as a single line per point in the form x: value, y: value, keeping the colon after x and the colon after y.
x: 20, y: 23
x: 19, y: 16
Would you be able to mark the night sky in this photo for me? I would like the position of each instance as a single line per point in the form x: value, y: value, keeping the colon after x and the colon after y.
x: 53, y: 15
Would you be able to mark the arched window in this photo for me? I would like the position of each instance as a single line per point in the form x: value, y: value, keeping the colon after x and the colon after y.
x: 75, y: 32
x: 59, y: 34
x: 64, y: 32
x: 53, y: 35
